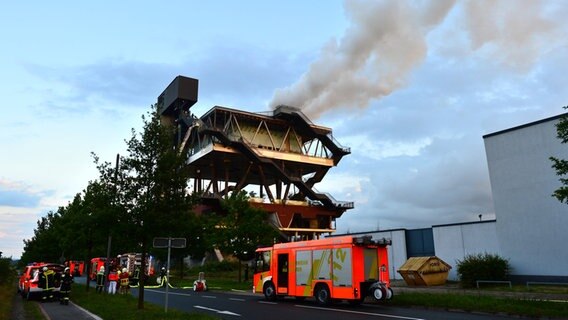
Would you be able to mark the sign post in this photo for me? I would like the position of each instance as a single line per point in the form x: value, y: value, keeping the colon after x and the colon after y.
x: 168, y: 243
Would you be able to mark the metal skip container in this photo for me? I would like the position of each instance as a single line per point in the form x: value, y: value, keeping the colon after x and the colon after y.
x: 424, y: 271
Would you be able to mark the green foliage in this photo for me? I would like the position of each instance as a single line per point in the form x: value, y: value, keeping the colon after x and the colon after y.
x: 215, y: 266
x: 482, y: 267
x: 243, y: 228
x: 7, y: 272
x: 561, y: 165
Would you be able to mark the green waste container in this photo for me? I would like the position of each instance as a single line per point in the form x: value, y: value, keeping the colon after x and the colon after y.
x: 424, y: 271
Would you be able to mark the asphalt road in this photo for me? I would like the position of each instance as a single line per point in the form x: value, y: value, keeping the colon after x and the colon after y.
x: 248, y: 306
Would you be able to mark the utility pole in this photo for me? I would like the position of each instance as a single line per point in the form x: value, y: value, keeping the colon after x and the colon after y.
x: 107, y: 262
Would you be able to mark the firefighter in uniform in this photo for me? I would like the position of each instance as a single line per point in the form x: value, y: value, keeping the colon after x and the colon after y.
x: 101, y: 280
x: 136, y: 276
x: 46, y: 282
x: 123, y: 278
x: 163, y: 276
x: 65, y: 290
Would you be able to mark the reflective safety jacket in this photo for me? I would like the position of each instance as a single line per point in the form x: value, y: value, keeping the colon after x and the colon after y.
x: 100, y: 278
x: 66, y: 281
x: 46, y: 279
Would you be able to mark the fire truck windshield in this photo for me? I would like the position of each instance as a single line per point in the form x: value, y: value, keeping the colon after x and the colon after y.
x: 263, y: 261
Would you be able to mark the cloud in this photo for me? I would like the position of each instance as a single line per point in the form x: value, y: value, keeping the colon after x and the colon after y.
x: 17, y: 194
x: 234, y: 73
x: 115, y: 81
x: 16, y: 224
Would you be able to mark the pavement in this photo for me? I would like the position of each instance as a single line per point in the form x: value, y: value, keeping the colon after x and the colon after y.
x: 51, y: 310
x: 56, y: 311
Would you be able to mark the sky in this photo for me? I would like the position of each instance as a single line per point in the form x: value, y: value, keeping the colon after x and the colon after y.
x: 410, y: 86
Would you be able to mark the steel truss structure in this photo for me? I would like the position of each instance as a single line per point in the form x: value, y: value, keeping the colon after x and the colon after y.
x: 276, y: 156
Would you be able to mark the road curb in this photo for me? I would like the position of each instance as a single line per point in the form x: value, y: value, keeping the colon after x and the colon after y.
x: 47, y: 317
x: 90, y: 314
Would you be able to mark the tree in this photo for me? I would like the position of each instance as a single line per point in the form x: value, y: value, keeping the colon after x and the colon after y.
x: 243, y: 228
x: 561, y: 165
x: 72, y: 231
x: 45, y: 244
x: 151, y: 187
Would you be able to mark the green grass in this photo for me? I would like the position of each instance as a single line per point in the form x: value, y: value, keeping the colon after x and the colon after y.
x: 216, y: 280
x: 6, y: 295
x: 31, y: 308
x: 482, y: 303
x: 125, y: 307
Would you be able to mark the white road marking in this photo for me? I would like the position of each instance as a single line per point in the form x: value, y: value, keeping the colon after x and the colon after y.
x: 176, y: 293
x: 237, y: 299
x: 218, y: 311
x: 267, y: 302
x: 209, y: 297
x: 359, y: 312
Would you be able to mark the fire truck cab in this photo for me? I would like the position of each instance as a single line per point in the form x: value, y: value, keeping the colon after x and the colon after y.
x: 96, y: 265
x: 337, y: 268
x: 77, y: 268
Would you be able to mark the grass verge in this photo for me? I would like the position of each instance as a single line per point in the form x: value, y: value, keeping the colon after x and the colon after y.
x: 482, y: 304
x: 125, y: 307
x: 10, y: 300
x: 6, y: 295
x: 32, y: 311
x: 218, y: 280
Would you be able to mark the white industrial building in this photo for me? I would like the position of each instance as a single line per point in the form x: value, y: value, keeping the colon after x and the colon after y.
x: 531, y: 226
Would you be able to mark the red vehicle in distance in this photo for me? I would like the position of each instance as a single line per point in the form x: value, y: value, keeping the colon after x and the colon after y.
x: 77, y: 268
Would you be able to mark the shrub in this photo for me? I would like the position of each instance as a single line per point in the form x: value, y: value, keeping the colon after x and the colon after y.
x: 7, y: 273
x: 222, y: 266
x: 482, y: 267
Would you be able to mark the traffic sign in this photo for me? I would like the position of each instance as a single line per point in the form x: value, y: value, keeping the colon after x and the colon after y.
x: 169, y: 242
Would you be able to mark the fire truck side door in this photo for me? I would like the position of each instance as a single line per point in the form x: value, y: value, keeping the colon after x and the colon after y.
x: 282, y: 272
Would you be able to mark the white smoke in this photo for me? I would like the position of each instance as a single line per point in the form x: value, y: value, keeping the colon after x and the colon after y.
x: 386, y: 40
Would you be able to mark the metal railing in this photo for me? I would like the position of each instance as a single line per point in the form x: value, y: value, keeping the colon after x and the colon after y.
x: 529, y: 283
x: 493, y: 281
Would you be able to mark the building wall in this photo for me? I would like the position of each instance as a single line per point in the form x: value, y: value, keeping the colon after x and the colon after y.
x: 455, y: 241
x: 531, y: 224
x: 397, y: 251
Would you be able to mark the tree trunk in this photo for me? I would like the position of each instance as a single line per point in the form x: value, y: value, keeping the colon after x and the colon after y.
x: 181, y: 266
x: 240, y: 269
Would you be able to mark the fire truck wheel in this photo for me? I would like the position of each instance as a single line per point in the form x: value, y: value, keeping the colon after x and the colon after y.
x: 390, y: 294
x: 322, y: 295
x: 378, y: 293
x: 269, y: 291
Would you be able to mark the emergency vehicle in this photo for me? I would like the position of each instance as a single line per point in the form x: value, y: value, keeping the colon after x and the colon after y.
x: 29, y: 279
x: 337, y: 268
x: 77, y: 268
x: 96, y: 265
x: 131, y: 261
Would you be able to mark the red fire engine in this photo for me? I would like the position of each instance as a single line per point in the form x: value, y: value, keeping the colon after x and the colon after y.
x: 96, y: 265
x: 77, y: 268
x: 337, y: 268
